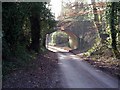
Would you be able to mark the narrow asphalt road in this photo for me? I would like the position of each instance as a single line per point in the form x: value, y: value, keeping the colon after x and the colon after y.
x: 77, y: 73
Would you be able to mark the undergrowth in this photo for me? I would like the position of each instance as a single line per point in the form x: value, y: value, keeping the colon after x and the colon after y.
x: 19, y: 60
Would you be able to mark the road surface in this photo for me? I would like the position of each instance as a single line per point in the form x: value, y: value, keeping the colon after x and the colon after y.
x: 77, y: 73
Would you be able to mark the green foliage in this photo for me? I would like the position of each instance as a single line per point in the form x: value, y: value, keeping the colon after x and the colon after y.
x: 111, y: 20
x: 17, y: 36
x: 13, y: 18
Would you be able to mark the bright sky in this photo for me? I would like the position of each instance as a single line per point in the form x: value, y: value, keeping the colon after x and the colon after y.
x: 56, y: 6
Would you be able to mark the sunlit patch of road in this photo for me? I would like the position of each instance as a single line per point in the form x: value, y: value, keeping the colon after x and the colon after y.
x: 57, y: 49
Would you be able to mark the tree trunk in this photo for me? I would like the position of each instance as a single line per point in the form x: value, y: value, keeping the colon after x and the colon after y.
x: 113, y: 29
x: 113, y: 33
x: 44, y: 41
x: 35, y: 32
x: 96, y: 17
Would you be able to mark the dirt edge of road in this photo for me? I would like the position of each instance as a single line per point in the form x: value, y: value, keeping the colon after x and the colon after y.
x: 40, y: 73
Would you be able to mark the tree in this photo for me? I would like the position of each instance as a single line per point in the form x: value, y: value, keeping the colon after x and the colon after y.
x: 97, y: 18
x: 42, y: 21
x: 12, y: 21
x: 113, y: 20
x: 22, y: 26
x: 35, y: 27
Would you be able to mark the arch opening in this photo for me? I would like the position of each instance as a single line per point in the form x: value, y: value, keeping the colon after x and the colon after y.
x: 63, y: 40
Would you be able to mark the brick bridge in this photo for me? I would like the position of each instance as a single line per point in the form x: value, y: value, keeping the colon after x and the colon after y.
x: 82, y: 34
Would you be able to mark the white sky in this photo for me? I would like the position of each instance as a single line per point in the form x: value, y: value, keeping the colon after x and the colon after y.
x: 56, y: 6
